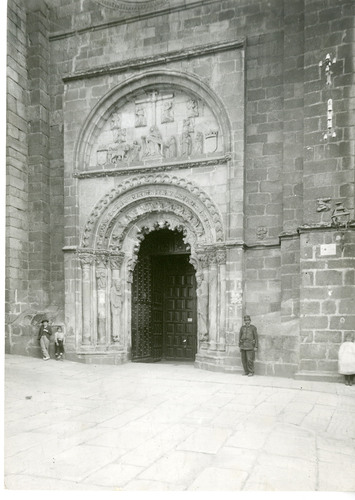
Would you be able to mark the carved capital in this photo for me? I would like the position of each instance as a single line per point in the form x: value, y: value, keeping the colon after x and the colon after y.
x: 203, y: 257
x: 221, y: 256
x: 101, y: 260
x: 212, y: 257
x: 86, y: 259
x: 116, y: 260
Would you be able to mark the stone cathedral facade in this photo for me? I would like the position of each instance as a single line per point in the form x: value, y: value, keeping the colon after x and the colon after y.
x: 173, y: 165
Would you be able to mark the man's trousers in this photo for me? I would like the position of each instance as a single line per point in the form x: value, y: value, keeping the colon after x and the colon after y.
x: 44, y: 343
x: 248, y: 360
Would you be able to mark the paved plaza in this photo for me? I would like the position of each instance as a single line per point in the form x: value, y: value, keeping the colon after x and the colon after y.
x: 172, y: 427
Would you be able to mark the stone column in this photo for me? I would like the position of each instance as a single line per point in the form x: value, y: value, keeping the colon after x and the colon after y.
x: 101, y: 286
x: 116, y: 298
x: 202, y: 305
x: 221, y: 306
x: 86, y: 260
x: 213, y: 300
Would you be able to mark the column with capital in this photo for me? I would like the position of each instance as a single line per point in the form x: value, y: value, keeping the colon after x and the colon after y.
x: 221, y: 256
x: 213, y: 299
x: 86, y: 261
x: 116, y: 298
x: 101, y: 293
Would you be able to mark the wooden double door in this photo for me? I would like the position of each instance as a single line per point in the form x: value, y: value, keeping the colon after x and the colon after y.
x: 164, y: 319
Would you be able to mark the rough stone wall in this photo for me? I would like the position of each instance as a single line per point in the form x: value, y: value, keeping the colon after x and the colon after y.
x: 16, y: 164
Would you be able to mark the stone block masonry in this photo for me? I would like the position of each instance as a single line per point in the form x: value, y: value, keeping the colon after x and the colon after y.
x: 327, y: 299
x: 16, y: 282
x: 38, y: 157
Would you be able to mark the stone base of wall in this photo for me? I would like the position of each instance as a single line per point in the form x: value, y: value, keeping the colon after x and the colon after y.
x: 319, y: 376
x: 113, y: 358
x: 219, y: 362
x: 275, y: 369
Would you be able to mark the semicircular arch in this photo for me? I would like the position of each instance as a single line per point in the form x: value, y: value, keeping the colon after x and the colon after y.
x: 161, y: 194
x: 124, y: 93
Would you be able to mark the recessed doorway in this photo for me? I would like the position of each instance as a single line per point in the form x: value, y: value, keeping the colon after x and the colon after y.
x: 164, y: 319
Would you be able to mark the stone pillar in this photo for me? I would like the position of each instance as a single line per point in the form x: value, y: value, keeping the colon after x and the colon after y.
x: 202, y: 305
x: 221, y: 306
x: 116, y: 299
x: 86, y: 260
x: 213, y: 300
x: 101, y: 288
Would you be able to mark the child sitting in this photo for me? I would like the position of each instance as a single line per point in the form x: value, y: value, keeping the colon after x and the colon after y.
x: 59, y: 343
x: 346, y: 359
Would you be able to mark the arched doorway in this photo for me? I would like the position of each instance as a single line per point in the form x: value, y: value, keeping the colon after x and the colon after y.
x: 164, y: 317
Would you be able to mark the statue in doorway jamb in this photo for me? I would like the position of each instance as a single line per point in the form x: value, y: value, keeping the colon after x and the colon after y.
x: 248, y: 344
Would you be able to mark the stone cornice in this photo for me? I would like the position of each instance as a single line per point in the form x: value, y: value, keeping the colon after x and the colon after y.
x: 163, y: 167
x: 155, y: 60
x: 70, y: 249
x: 260, y: 246
x: 131, y: 19
x: 325, y: 227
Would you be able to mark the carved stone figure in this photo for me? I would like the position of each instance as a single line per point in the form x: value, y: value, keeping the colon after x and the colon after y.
x: 171, y: 148
x: 118, y: 149
x: 167, y: 115
x: 140, y: 117
x: 323, y: 204
x: 116, y: 308
x: 186, y: 144
x: 192, y: 107
x: 153, y: 142
x: 202, y: 306
x: 198, y: 145
x: 101, y: 278
x: 134, y: 151
x: 186, y: 139
x: 261, y: 232
x: 115, y: 125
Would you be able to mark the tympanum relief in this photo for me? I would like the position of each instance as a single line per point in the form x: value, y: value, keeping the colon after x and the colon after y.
x: 156, y: 127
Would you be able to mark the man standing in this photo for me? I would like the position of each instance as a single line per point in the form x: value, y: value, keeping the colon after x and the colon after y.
x: 44, y: 334
x: 248, y: 344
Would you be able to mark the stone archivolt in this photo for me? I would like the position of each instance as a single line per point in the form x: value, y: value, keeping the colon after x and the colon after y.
x: 162, y: 194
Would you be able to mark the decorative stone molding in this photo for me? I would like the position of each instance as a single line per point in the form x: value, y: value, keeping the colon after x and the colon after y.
x: 163, y: 167
x: 187, y: 193
x: 114, y: 239
x: 156, y: 59
x: 133, y: 6
x: 132, y: 17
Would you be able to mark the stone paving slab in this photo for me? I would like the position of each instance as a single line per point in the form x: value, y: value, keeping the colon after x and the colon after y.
x: 171, y: 427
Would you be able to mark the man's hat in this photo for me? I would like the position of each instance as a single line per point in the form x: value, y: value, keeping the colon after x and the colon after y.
x: 45, y: 320
x: 246, y: 317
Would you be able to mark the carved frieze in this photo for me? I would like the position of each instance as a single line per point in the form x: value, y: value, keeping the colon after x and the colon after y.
x: 155, y: 127
x: 133, y: 6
